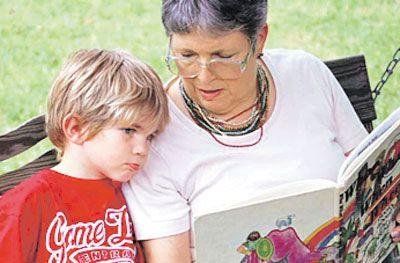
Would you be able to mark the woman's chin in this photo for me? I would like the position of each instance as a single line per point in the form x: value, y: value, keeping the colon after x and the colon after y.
x: 214, y: 107
x: 217, y: 105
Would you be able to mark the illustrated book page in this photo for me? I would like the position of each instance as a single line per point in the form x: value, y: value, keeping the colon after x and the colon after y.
x: 369, y: 200
x: 298, y: 227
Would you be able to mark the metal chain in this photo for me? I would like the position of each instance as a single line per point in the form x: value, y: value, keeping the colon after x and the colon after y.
x: 386, y: 74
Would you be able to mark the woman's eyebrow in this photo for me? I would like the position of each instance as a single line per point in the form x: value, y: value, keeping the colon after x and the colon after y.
x: 183, y: 49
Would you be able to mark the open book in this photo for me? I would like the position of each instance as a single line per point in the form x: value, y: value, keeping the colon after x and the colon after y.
x: 315, y: 220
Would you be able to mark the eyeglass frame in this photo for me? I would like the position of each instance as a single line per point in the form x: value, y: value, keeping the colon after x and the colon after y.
x: 243, y: 64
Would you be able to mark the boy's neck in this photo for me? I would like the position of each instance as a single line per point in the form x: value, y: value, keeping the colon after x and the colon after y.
x: 75, y: 164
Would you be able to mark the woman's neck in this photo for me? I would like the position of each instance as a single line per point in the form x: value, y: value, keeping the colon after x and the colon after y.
x: 239, y: 110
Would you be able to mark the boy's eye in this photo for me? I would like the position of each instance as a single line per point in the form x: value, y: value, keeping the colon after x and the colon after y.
x: 128, y: 131
x: 151, y: 137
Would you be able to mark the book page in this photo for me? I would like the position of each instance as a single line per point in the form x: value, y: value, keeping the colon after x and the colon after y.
x: 369, y: 198
x: 367, y: 142
x: 280, y: 191
x: 297, y: 228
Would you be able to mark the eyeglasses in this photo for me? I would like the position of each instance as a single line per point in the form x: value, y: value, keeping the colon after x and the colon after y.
x: 223, y: 68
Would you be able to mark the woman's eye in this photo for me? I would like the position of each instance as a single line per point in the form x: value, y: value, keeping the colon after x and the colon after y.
x: 225, y: 56
x: 186, y: 55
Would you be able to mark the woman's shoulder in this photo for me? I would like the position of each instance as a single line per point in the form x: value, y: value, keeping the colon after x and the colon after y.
x: 289, y: 53
x: 291, y: 57
x: 294, y: 63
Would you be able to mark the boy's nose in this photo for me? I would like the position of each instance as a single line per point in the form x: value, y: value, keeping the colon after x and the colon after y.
x: 140, y: 146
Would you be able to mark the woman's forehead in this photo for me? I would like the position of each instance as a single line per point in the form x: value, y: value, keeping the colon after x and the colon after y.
x: 203, y: 41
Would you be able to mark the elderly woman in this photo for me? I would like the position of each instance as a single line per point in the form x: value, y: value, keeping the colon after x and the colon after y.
x: 243, y: 120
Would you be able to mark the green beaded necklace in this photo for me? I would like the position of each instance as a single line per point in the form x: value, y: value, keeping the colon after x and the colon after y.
x: 224, y: 127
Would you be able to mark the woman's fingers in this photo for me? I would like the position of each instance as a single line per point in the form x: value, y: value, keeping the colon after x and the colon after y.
x: 395, y: 233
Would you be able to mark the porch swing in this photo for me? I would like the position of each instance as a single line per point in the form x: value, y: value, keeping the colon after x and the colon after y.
x: 351, y: 72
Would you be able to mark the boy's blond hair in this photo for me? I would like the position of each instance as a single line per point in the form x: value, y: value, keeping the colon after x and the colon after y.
x: 104, y: 88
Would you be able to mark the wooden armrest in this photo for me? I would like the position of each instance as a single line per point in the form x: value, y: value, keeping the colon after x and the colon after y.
x: 351, y: 72
x: 11, y: 179
x: 22, y: 138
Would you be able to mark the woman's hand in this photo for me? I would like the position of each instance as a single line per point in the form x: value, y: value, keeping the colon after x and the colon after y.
x: 395, y: 232
x: 172, y: 249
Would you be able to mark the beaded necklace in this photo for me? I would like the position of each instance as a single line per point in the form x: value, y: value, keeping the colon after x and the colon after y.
x: 221, y: 127
x: 254, y: 111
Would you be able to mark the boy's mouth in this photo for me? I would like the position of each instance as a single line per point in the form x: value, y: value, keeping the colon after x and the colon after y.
x: 134, y: 166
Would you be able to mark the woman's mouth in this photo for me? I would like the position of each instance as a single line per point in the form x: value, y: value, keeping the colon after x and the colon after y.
x: 209, y: 94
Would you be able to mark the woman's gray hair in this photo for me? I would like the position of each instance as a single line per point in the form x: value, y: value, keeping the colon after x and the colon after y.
x: 214, y: 16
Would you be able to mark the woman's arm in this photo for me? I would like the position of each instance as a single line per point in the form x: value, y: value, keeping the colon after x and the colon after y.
x: 171, y: 249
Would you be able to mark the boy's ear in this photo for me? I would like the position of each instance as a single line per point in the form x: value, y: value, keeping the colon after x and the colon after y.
x: 73, y: 130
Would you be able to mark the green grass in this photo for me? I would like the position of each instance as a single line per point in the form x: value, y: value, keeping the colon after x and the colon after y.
x: 37, y: 36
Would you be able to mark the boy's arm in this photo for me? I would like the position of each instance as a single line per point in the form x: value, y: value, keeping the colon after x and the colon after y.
x: 18, y: 231
x: 172, y: 249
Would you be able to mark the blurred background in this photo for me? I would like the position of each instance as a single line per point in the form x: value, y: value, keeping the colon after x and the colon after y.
x: 37, y: 36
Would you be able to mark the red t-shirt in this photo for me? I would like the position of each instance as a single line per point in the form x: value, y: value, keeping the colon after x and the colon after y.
x: 52, y: 217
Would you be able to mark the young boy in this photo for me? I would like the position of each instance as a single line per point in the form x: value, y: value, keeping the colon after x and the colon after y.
x: 103, y: 110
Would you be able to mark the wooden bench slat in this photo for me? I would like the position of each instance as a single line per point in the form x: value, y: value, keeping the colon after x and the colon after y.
x: 351, y: 72
x: 11, y: 179
x: 22, y: 138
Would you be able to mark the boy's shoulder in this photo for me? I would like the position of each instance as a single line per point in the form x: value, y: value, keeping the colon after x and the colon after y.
x: 26, y: 193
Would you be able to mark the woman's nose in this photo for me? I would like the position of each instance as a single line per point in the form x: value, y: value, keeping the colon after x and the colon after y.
x: 205, y: 75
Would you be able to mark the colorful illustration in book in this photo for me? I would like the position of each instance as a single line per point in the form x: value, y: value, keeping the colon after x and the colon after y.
x: 285, y: 222
x: 367, y: 214
x: 282, y: 246
x: 359, y: 233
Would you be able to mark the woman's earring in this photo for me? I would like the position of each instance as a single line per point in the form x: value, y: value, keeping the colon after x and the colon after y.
x: 260, y: 55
